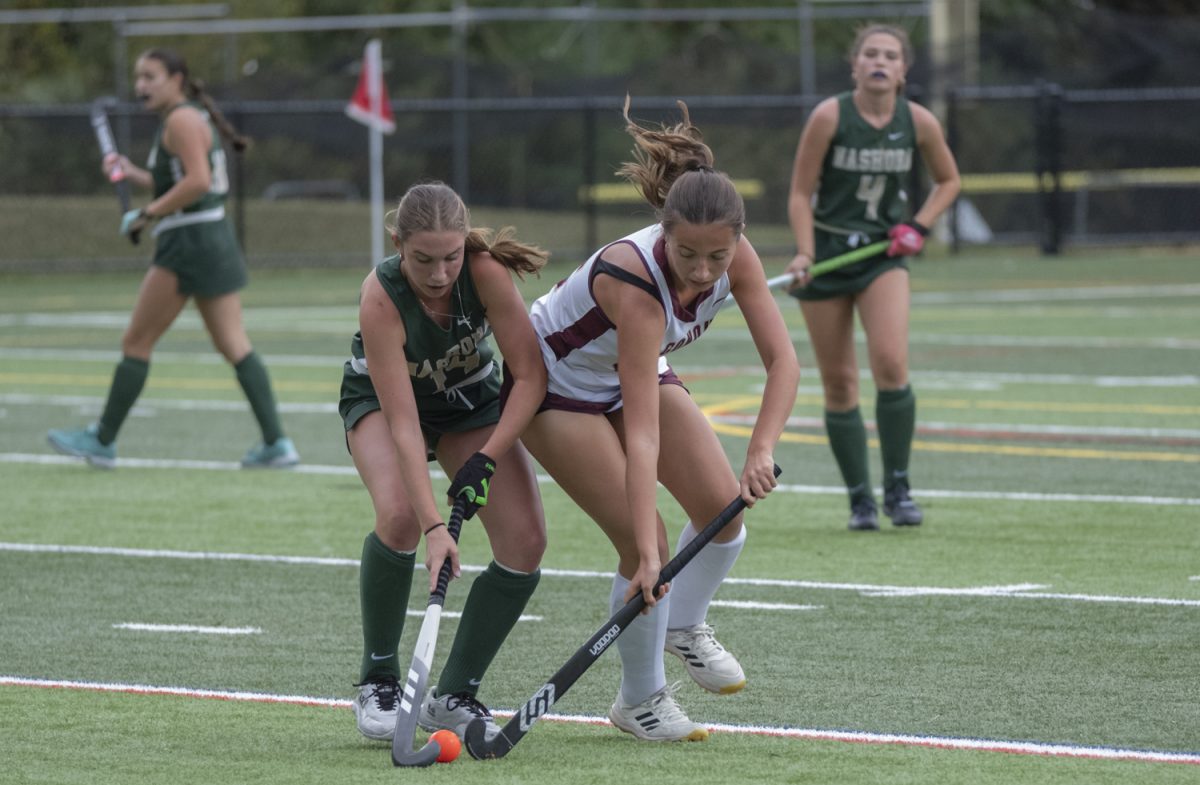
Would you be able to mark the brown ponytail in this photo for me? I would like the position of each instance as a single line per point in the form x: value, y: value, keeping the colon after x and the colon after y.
x: 194, y: 90
x: 673, y: 168
x: 517, y: 256
x: 435, y: 207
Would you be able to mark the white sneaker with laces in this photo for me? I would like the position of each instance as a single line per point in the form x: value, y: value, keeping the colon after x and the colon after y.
x: 454, y: 712
x: 376, y: 707
x: 709, y: 665
x: 658, y: 718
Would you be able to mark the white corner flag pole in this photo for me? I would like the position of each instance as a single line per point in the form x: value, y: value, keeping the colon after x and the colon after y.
x: 374, y: 63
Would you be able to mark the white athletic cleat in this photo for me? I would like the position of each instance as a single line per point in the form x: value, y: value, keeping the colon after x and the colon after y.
x: 376, y: 708
x: 709, y: 665
x: 454, y: 712
x: 658, y: 718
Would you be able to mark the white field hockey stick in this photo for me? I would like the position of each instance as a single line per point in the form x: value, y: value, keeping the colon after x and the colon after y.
x: 829, y: 265
x: 418, y: 671
x: 499, y: 745
x: 104, y: 136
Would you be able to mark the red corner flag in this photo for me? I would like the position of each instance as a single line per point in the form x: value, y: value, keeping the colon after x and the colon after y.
x: 370, y: 105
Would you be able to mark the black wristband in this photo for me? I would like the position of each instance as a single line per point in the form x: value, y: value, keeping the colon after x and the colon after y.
x: 921, y: 228
x: 434, y: 526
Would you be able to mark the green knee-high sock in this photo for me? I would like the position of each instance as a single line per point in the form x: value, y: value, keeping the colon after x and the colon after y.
x: 256, y: 384
x: 848, y: 440
x: 384, y: 580
x: 128, y: 380
x: 495, y: 603
x: 896, y: 417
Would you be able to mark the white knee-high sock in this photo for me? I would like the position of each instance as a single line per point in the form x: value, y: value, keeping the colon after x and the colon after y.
x: 641, y: 647
x: 694, y: 586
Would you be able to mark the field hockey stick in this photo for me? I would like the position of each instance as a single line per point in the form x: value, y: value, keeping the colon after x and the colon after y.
x: 104, y: 137
x: 515, y: 729
x: 829, y: 265
x: 418, y: 671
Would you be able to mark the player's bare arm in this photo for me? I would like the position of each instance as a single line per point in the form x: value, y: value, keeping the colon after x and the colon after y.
x: 640, y: 327
x: 517, y: 342
x: 778, y: 355
x: 806, y: 172
x: 943, y: 170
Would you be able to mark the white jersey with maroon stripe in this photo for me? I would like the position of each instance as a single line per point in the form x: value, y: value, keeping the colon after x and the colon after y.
x: 579, y: 343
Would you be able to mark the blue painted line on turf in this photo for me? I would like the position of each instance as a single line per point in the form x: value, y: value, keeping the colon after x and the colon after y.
x: 966, y: 744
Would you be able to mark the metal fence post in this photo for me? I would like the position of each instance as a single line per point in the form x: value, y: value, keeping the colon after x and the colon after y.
x: 952, y: 142
x: 1048, y: 164
x: 590, y: 233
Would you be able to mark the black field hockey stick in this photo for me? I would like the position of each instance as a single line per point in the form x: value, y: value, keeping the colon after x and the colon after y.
x: 104, y: 137
x: 418, y: 671
x: 515, y: 729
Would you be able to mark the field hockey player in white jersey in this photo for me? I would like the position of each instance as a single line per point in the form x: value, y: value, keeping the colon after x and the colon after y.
x: 617, y: 420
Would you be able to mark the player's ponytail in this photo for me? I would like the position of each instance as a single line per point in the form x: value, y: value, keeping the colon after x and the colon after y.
x: 436, y: 207
x: 193, y: 89
x: 517, y: 256
x: 673, y: 169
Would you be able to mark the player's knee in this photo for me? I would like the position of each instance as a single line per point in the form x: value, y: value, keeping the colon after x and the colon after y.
x: 891, y: 375
x: 397, y: 528
x: 841, y: 392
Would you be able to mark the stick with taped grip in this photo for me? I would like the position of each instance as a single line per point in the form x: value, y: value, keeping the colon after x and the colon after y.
x: 418, y: 671
x: 481, y: 747
x: 104, y: 138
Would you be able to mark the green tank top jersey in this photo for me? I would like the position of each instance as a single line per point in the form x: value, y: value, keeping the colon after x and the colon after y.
x: 166, y: 169
x: 862, y: 193
x: 454, y: 377
x: 196, y: 242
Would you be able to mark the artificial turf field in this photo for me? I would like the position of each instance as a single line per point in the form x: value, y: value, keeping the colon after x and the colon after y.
x: 179, y: 620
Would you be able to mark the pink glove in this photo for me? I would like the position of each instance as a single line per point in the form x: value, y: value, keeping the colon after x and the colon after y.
x: 907, y: 239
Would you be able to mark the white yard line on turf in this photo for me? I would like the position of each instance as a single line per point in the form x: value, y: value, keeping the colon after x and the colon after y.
x: 1013, y: 591
x: 764, y: 606
x: 190, y: 628
x: 148, y: 406
x: 1057, y: 294
x: 1025, y: 747
x: 47, y: 459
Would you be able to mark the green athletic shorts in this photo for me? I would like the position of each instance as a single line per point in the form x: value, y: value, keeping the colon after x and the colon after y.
x: 204, y: 256
x: 358, y: 399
